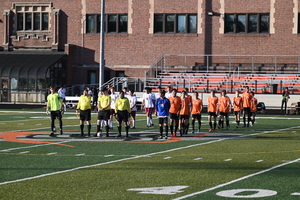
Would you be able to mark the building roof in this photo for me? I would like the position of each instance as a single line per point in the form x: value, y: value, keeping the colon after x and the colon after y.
x: 27, y: 64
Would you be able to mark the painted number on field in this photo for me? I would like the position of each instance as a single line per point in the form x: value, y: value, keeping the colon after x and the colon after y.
x: 168, y: 190
x: 247, y: 193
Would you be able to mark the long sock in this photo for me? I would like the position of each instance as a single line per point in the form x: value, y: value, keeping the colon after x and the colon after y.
x: 148, y: 121
x: 244, y: 119
x: 187, y: 128
x: 199, y: 124
x: 227, y: 123
x: 215, y: 125
x: 89, y: 129
x: 166, y: 130
x: 52, y: 125
x: 161, y: 130
x: 107, y: 130
x: 171, y: 128
x: 253, y: 120
x: 60, y: 124
x: 98, y: 128
x: 127, y: 128
x: 133, y: 123
x: 193, y: 124
x: 210, y: 125
x: 176, y: 128
x: 81, y: 128
x: 220, y: 123
x: 119, y: 130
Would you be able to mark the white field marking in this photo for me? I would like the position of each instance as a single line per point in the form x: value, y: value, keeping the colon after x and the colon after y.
x: 25, y: 152
x: 20, y: 124
x: 6, y: 150
x: 229, y: 159
x: 53, y: 153
x: 296, y: 193
x: 108, y: 156
x: 110, y: 162
x: 81, y: 154
x: 237, y: 180
x: 167, y: 158
x: 259, y: 161
x: 197, y: 158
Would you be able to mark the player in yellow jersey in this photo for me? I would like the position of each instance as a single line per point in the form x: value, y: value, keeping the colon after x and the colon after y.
x: 196, y: 112
x: 104, y: 102
x: 238, y: 107
x: 55, y: 105
x: 84, y: 105
x: 122, y: 113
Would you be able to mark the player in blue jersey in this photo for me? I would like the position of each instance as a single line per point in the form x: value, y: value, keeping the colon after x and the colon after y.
x: 162, y: 106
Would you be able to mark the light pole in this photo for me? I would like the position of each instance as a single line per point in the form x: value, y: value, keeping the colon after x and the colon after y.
x: 101, y: 60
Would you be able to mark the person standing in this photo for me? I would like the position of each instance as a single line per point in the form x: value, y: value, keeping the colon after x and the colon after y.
x: 196, y: 112
x: 132, y: 100
x: 62, y: 93
x: 224, y: 108
x: 253, y: 109
x: 84, y: 105
x: 168, y: 91
x: 212, y: 105
x: 55, y: 105
x: 162, y: 106
x: 185, y: 112
x: 285, y: 98
x: 175, y: 104
x: 114, y: 97
x: 104, y: 102
x: 95, y: 97
x: 148, y: 101
x: 238, y: 107
x: 247, y: 98
x: 122, y: 113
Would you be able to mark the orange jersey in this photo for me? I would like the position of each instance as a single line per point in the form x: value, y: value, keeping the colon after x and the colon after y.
x: 247, y: 97
x: 253, y: 105
x: 237, y: 103
x: 185, y: 106
x: 224, y: 104
x: 175, y: 103
x: 212, y: 103
x: 197, y: 106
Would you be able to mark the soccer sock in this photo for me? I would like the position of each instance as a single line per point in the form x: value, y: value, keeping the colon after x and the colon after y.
x: 210, y: 125
x: 52, y: 125
x: 107, y: 130
x: 220, y: 122
x: 98, y: 128
x: 193, y: 124
x: 160, y: 130
x: 127, y: 128
x: 166, y: 130
x: 119, y: 130
x: 133, y: 123
x: 187, y: 128
x: 227, y: 123
x: 148, y: 121
x: 244, y: 119
x: 215, y: 125
x: 199, y: 124
x: 171, y: 128
x: 109, y: 122
x: 60, y: 124
x: 89, y: 129
x: 176, y: 128
x: 81, y: 128
x: 253, y: 120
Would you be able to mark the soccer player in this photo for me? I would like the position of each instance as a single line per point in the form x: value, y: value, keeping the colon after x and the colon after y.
x: 175, y: 104
x: 104, y: 102
x: 132, y: 100
x: 148, y: 104
x: 122, y: 113
x: 168, y: 92
x: 55, y: 105
x: 238, y: 107
x: 224, y: 108
x: 62, y: 93
x: 162, y: 106
x: 185, y: 112
x: 196, y: 112
x: 253, y: 109
x: 84, y: 105
x: 212, y: 105
x: 247, y: 98
x: 114, y: 97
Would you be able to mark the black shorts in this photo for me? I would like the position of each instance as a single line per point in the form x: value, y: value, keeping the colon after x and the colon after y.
x: 56, y: 114
x: 163, y: 120
x: 224, y: 114
x: 184, y: 116
x: 212, y: 114
x: 85, y: 115
x: 237, y: 112
x: 173, y: 116
x: 246, y: 110
x: 197, y: 116
x: 103, y: 115
x: 122, y: 116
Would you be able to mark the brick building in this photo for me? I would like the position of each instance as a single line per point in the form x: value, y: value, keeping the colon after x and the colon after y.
x: 137, y: 33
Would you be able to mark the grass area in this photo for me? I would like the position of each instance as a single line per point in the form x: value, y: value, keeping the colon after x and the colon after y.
x: 192, y: 167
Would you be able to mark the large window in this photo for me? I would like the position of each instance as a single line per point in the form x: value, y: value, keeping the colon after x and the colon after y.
x: 32, y: 18
x: 247, y: 23
x: 116, y: 23
x: 175, y: 23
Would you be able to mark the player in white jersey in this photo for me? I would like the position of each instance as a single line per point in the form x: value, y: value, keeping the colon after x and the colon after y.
x: 148, y: 104
x: 114, y: 97
x: 132, y: 101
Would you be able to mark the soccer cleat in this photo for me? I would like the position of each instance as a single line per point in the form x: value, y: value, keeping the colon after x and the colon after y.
x: 210, y: 130
x: 119, y: 136
x: 193, y: 131
x: 133, y: 127
x: 52, y: 134
x: 160, y: 137
x: 166, y: 137
x: 61, y: 132
x: 198, y: 131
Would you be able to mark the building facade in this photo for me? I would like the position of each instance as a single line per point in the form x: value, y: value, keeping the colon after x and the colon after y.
x: 139, y: 32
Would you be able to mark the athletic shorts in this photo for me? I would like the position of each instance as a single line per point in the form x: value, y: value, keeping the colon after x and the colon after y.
x: 56, y: 114
x: 122, y: 116
x: 238, y: 112
x: 246, y: 109
x: 112, y: 111
x: 173, y: 116
x: 85, y: 115
x: 213, y: 114
x: 103, y: 115
x: 253, y: 114
x: 197, y: 116
x: 163, y: 120
x: 184, y: 117
x: 133, y: 114
x: 224, y: 114
x: 149, y: 110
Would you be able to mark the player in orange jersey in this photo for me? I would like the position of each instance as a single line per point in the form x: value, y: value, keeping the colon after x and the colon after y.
x: 247, y: 98
x: 175, y: 104
x: 238, y: 107
x: 212, y: 106
x: 253, y: 109
x: 196, y: 112
x: 185, y: 112
x: 224, y: 108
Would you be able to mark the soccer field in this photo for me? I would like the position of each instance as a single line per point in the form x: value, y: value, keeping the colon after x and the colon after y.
x: 259, y: 162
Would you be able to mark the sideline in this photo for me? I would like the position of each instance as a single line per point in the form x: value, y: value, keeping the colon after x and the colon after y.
x: 110, y: 162
x: 236, y: 180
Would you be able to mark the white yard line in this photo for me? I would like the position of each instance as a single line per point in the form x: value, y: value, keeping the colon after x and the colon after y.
x: 236, y: 180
